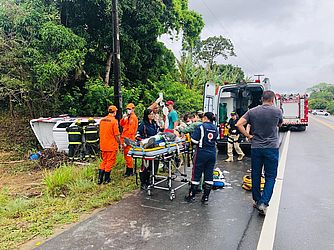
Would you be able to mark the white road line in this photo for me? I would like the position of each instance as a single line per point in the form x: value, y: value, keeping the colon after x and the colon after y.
x: 267, y: 237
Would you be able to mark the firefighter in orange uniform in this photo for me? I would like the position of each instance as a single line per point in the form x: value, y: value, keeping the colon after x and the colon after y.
x: 129, y: 122
x: 109, y: 141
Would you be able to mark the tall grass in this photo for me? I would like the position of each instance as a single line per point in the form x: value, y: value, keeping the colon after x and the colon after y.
x: 21, y: 219
x: 57, y: 182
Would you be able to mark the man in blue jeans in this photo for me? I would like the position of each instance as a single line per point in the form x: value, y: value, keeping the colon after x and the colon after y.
x: 264, y: 121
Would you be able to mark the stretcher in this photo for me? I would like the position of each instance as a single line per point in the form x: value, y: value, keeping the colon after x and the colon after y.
x: 174, y: 156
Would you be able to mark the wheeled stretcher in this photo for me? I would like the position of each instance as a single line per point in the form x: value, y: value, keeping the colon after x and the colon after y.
x: 175, y: 158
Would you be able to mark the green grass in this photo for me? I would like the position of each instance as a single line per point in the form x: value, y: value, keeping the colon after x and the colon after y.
x: 70, y: 191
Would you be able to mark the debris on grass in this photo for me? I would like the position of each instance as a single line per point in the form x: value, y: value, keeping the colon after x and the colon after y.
x: 51, y: 158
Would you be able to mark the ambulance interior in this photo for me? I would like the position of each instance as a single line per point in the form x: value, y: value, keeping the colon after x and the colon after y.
x: 238, y: 99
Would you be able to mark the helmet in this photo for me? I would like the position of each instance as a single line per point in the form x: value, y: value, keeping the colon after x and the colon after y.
x: 91, y: 120
x: 77, y: 122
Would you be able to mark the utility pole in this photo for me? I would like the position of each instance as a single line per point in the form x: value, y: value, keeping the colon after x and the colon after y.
x: 116, y: 61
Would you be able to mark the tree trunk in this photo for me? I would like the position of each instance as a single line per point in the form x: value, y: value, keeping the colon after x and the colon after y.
x: 108, y: 69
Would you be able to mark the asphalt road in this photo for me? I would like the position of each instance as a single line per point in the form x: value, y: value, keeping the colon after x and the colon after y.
x: 305, y: 219
x: 304, y: 214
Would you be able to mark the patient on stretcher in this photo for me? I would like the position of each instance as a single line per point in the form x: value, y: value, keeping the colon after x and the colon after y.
x: 157, y: 140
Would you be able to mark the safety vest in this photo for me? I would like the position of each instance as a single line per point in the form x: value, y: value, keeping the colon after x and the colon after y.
x: 74, y: 135
x: 91, y: 133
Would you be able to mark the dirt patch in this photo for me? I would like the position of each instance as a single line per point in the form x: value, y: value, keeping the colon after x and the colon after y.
x: 27, y: 184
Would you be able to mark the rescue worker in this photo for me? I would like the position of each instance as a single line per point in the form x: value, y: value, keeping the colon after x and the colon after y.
x: 129, y: 122
x: 91, y: 135
x: 232, y: 139
x: 205, y: 137
x: 109, y: 142
x: 74, y: 140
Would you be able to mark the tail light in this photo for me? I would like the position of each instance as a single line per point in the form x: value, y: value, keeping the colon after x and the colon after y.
x: 221, y: 130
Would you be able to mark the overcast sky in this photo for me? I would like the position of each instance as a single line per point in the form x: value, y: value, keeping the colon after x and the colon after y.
x: 290, y: 41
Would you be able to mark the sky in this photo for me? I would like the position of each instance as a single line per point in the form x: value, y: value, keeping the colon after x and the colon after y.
x: 289, y: 41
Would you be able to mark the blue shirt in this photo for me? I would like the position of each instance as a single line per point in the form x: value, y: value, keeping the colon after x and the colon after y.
x: 146, y: 129
x: 205, y: 135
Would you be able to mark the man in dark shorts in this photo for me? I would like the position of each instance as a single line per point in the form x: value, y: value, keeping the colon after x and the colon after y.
x: 264, y: 121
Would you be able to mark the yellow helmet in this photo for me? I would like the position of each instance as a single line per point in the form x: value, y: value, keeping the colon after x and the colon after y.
x: 77, y: 122
x: 91, y: 120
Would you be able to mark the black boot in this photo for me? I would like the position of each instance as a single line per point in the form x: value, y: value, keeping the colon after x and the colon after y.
x: 128, y: 172
x: 107, y: 177
x: 192, y: 193
x: 100, y: 178
x: 207, y: 190
x: 143, y: 182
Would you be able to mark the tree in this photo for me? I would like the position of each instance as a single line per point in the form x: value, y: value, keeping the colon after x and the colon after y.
x: 322, y: 96
x: 211, y: 48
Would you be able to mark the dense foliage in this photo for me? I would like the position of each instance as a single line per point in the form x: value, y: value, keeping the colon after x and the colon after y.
x: 322, y: 97
x: 56, y: 56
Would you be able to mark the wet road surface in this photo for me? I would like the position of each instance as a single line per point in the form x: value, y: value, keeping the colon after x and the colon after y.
x: 305, y: 219
x: 154, y: 222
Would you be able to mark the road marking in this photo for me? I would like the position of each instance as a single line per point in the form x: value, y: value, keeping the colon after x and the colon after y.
x: 322, y: 122
x: 267, y: 236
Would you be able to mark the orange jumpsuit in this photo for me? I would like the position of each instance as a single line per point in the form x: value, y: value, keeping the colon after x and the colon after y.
x: 130, y: 126
x: 108, y: 143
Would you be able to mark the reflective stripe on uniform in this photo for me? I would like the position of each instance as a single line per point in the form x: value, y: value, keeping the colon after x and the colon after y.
x: 74, y: 143
x: 92, y: 141
x: 202, y: 136
x: 74, y: 133
x: 195, y: 182
x: 91, y: 132
x: 194, y: 141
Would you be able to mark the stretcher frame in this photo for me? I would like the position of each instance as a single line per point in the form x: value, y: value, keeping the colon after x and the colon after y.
x: 174, y: 150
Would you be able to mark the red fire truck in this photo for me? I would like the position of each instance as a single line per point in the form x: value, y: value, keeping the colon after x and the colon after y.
x: 295, y: 111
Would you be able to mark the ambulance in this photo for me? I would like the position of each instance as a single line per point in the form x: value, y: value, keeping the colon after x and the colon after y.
x: 239, y: 97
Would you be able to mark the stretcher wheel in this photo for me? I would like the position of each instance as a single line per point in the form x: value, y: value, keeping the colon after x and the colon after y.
x: 172, y: 195
x: 149, y: 192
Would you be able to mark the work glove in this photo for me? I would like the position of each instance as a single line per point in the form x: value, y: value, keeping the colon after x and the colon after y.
x: 160, y: 98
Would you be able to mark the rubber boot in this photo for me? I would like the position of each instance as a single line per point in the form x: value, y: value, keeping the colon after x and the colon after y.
x: 192, y: 193
x: 143, y: 181
x: 128, y: 172
x: 207, y: 190
x: 107, y: 177
x: 229, y: 159
x: 100, y: 178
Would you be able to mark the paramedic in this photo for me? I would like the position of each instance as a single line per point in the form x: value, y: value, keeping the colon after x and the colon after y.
x: 109, y: 141
x: 74, y: 140
x: 91, y: 134
x: 147, y: 128
x: 232, y: 139
x: 172, y: 117
x: 129, y: 122
x: 204, y: 136
x: 264, y: 121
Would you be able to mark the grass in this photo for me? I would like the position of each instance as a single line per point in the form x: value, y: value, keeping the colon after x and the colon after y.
x: 69, y: 192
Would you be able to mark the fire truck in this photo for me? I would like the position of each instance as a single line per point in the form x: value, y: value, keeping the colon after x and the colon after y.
x: 295, y: 111
x: 239, y: 97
